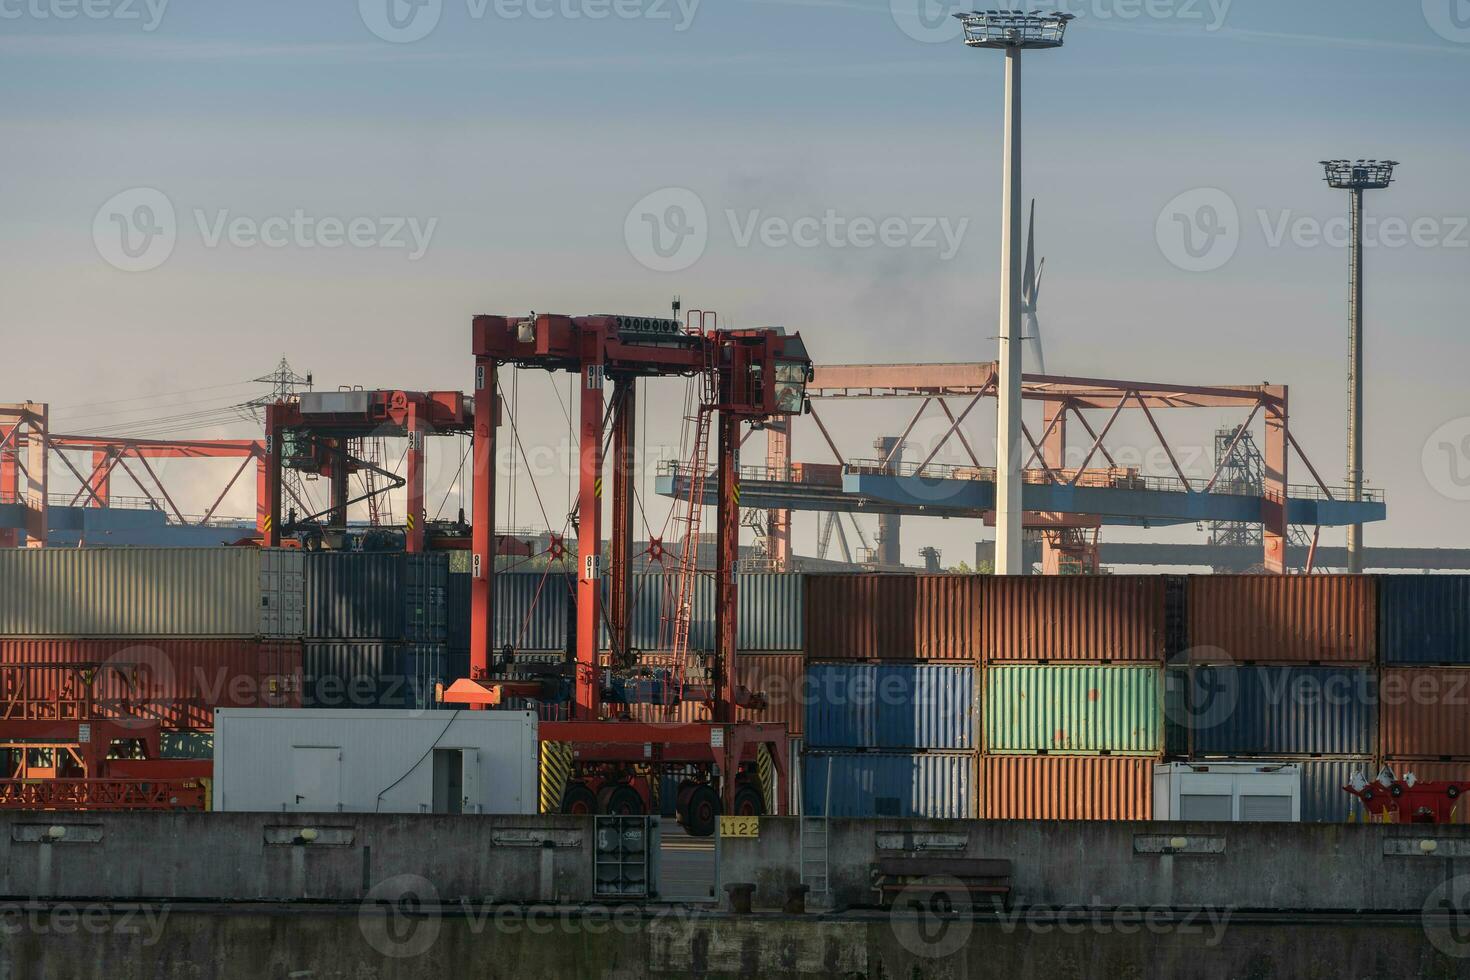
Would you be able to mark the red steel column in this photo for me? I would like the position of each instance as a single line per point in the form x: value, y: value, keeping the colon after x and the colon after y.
x: 414, y: 520
x: 589, y: 534
x: 37, y: 491
x: 9, y: 489
x: 778, y: 462
x: 271, y: 521
x: 727, y: 556
x: 1273, y: 508
x: 482, y: 533
x: 101, y: 479
x: 262, y: 495
x: 1054, y: 455
x: 625, y: 452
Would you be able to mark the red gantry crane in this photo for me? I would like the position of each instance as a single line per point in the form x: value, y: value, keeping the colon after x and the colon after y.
x: 600, y: 760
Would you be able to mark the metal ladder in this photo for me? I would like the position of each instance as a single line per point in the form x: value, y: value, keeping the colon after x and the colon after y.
x: 814, y: 858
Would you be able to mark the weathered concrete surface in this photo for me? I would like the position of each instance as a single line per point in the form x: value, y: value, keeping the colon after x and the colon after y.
x: 254, y: 856
x: 1242, y: 866
x: 332, y: 944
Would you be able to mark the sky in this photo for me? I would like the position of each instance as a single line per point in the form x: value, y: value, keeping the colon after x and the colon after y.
x: 193, y: 190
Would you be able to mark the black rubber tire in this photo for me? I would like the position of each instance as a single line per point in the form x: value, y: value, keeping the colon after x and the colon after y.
x: 702, y: 812
x: 578, y: 799
x: 681, y: 798
x: 1396, y: 790
x: 1452, y: 791
x: 619, y: 800
x: 749, y: 802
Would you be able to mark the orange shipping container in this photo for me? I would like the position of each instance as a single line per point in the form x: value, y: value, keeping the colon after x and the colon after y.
x: 1075, y: 618
x: 892, y: 617
x: 1074, y: 787
x: 1424, y: 712
x: 1330, y: 619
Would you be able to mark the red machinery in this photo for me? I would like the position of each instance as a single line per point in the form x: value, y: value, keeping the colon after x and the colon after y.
x: 1408, y: 800
x: 744, y: 377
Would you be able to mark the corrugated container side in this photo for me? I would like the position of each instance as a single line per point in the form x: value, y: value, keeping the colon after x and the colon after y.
x: 1424, y: 619
x: 457, y: 611
x: 163, y: 592
x: 178, y: 683
x: 1282, y: 711
x: 770, y: 608
x: 779, y: 676
x: 1069, y: 708
x: 1283, y: 618
x: 371, y: 674
x: 1458, y: 772
x: 1323, y: 798
x: 1425, y: 713
x: 1066, y: 787
x: 892, y: 617
x: 938, y: 785
x: 890, y: 706
x: 531, y: 610
x: 1079, y: 618
x: 376, y: 596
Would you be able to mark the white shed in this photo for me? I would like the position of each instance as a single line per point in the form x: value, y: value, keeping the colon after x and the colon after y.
x: 1231, y: 791
x: 323, y: 760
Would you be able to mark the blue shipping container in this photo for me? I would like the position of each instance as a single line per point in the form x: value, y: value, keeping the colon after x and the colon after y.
x: 372, y: 674
x: 890, y: 706
x: 938, y: 785
x: 1281, y: 711
x: 1323, y: 799
x: 353, y: 595
x: 1424, y: 619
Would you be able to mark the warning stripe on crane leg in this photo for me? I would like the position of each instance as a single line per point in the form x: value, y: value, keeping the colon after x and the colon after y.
x: 556, y: 769
x: 767, y: 772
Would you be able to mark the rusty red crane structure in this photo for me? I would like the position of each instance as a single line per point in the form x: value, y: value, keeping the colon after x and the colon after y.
x: 748, y: 378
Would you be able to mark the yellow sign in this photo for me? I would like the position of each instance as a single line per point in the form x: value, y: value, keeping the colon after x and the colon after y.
x: 740, y: 826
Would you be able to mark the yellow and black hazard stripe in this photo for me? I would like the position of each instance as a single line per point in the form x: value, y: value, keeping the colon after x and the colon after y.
x: 556, y: 770
x: 266, y: 524
x: 766, y: 769
x: 409, y: 519
x: 597, y: 487
x: 736, y: 491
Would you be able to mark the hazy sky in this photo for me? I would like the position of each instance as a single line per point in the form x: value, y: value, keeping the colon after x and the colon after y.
x: 192, y: 190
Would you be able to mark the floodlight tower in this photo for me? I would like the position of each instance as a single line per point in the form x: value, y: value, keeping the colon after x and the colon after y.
x: 1012, y: 31
x: 1356, y: 176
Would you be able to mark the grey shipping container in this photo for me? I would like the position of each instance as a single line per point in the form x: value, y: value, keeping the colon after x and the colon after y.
x: 938, y: 785
x: 376, y: 596
x: 1323, y: 798
x: 372, y: 674
x: 890, y: 706
x: 126, y: 592
x: 1281, y: 711
x: 1424, y: 619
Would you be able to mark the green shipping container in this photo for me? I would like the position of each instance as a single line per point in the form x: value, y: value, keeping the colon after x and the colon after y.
x: 1062, y: 709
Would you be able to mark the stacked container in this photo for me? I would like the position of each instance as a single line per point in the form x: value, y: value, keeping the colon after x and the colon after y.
x: 163, y: 634
x: 1073, y: 691
x: 1281, y: 668
x: 1424, y: 645
x: 376, y: 626
x: 891, y: 696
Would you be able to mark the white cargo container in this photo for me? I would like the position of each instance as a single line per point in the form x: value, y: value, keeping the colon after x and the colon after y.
x: 324, y: 760
x: 1230, y: 791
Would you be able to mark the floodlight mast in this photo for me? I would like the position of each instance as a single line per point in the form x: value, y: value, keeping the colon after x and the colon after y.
x: 1356, y: 176
x: 1012, y: 31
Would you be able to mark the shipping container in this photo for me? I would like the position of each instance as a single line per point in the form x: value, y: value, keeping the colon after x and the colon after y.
x: 1425, y: 713
x: 372, y: 674
x: 176, y: 682
x: 778, y: 676
x: 1329, y: 619
x: 890, y: 706
x: 1076, y: 618
x: 1070, y: 708
x: 893, y: 617
x: 356, y: 595
x: 1281, y: 711
x: 151, y: 592
x: 1066, y: 787
x: 938, y: 785
x: 771, y: 615
x: 1323, y: 797
x: 531, y: 610
x: 306, y: 761
x: 457, y: 611
x: 1424, y: 619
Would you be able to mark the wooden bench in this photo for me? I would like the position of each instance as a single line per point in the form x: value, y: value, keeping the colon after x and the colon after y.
x: 978, y: 881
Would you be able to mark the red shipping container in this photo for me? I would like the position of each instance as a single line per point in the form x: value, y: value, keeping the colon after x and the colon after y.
x: 1329, y: 619
x: 1424, y: 712
x: 1072, y: 787
x: 175, y: 682
x: 893, y: 617
x: 1073, y: 619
